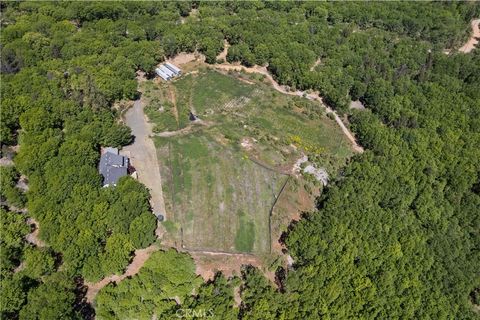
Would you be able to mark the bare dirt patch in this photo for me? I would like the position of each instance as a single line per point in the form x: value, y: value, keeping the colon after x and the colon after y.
x: 247, y: 143
x: 223, y: 55
x: 316, y: 64
x: 184, y: 58
x: 4, y: 162
x: 208, y: 263
x: 33, y: 236
x: 357, y: 104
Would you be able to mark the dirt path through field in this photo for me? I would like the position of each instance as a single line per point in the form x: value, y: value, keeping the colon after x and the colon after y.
x: 173, y: 97
x: 282, y: 89
x: 189, y: 128
x: 472, y: 42
x: 141, y: 256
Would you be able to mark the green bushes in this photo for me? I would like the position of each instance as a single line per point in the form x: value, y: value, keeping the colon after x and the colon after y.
x: 167, y: 275
x: 8, y: 186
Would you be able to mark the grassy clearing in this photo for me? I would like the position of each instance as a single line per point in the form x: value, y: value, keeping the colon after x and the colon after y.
x: 218, y: 198
x: 245, y: 236
x: 162, y: 107
x: 212, y: 90
x: 275, y: 120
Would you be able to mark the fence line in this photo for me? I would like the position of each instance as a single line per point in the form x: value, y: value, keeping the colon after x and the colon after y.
x: 271, y: 212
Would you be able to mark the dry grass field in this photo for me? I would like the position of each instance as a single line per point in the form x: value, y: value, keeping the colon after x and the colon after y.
x: 218, y: 198
x: 221, y: 178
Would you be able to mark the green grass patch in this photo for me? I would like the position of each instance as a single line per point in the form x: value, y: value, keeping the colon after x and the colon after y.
x: 161, y: 116
x: 207, y: 183
x: 207, y: 174
x: 245, y: 237
x: 210, y: 90
x: 169, y: 226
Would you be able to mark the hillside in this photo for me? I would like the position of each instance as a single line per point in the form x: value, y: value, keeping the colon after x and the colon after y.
x: 393, y: 234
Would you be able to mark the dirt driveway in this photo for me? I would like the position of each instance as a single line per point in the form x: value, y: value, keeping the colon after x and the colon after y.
x: 143, y: 156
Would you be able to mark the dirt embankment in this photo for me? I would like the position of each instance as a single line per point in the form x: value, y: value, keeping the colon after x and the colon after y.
x: 208, y: 263
x: 472, y: 42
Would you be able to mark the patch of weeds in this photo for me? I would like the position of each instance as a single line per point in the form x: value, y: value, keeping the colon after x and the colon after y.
x: 170, y: 226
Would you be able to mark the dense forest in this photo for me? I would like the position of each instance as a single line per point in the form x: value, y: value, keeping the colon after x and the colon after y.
x: 396, y: 235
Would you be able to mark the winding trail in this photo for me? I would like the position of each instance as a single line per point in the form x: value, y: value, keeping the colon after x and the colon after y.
x: 223, y: 54
x: 141, y: 256
x: 472, y: 42
x: 311, y: 96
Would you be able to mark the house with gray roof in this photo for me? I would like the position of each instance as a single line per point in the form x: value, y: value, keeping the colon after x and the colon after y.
x: 112, y: 166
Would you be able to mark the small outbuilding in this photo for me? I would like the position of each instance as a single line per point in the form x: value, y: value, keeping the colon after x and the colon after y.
x: 174, y: 68
x: 162, y: 74
x: 168, y: 71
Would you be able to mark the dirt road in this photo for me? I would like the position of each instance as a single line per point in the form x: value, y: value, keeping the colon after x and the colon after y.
x: 472, y: 42
x: 141, y: 256
x: 283, y: 89
x: 143, y: 156
x: 192, y: 126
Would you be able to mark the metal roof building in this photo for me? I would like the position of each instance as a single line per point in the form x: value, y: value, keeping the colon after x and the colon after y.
x: 167, y: 71
x: 174, y: 68
x: 112, y: 166
x: 162, y: 75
